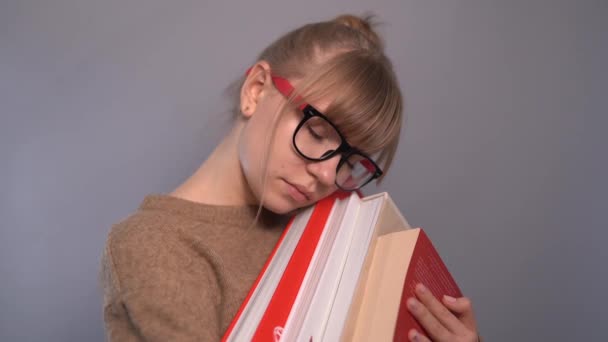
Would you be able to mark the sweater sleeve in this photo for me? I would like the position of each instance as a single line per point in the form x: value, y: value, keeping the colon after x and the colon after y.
x: 157, y: 288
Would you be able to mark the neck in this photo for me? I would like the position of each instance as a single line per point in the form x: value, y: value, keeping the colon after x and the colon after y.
x: 219, y: 180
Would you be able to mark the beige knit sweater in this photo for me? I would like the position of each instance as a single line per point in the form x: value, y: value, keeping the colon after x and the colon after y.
x: 177, y: 270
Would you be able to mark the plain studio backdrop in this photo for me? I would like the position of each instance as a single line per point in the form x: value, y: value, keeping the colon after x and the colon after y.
x: 503, y: 158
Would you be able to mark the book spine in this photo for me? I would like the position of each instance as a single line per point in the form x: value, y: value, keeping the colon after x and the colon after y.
x: 277, y: 312
x: 426, y: 267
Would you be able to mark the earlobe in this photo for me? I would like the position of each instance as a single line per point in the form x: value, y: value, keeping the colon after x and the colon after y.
x: 246, y: 110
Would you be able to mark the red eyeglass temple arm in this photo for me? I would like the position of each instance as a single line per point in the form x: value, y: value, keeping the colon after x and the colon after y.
x: 285, y: 88
x: 368, y: 165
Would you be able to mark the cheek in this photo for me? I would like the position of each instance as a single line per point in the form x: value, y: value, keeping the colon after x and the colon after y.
x: 283, y: 155
x: 254, y: 142
x: 283, y: 161
x: 252, y: 147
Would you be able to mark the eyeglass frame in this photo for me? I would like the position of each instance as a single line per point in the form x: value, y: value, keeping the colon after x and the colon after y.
x: 345, y: 149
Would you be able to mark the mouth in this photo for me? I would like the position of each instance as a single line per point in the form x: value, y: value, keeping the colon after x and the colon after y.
x: 298, y: 193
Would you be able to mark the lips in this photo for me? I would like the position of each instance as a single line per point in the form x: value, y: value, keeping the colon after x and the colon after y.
x: 298, y: 192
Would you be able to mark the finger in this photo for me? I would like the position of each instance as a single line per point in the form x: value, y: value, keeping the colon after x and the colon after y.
x: 463, y: 308
x: 427, y: 320
x: 416, y: 336
x: 443, y: 315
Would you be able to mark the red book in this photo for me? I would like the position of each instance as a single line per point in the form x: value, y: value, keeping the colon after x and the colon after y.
x: 285, y: 295
x: 311, y: 224
x: 425, y: 267
x: 401, y: 260
x: 256, y: 283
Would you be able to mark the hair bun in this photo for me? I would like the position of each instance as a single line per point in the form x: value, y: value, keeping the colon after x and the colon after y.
x: 365, y: 25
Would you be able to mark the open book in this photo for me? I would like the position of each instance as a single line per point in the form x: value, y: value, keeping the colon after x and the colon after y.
x: 342, y: 270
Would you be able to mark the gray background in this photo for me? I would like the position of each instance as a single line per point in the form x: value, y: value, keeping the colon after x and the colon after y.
x: 502, y: 161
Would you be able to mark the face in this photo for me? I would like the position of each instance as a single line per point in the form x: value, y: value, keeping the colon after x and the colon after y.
x: 291, y: 181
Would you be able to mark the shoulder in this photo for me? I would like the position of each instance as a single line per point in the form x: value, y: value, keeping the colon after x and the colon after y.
x: 152, y: 276
x: 159, y: 225
x: 142, y: 230
x: 148, y: 248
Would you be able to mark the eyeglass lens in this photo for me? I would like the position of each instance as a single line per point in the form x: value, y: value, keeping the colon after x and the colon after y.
x: 317, y: 138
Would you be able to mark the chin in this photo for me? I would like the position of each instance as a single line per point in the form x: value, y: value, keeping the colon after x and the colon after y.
x: 280, y: 205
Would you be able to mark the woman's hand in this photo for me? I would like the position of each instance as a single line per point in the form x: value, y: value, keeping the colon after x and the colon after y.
x: 453, y: 320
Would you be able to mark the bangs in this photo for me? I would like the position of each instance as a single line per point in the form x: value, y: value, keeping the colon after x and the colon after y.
x: 365, y: 102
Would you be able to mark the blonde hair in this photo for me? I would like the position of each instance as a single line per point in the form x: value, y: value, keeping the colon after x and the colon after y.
x: 343, y: 60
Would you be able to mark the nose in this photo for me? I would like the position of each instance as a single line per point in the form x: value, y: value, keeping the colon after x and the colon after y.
x: 325, y: 171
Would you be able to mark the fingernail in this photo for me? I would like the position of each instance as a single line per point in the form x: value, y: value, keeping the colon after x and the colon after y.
x: 449, y: 299
x: 412, y: 303
x: 421, y: 288
x: 414, y: 337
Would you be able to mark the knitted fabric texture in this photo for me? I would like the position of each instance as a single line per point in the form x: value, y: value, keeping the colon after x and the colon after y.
x: 177, y: 270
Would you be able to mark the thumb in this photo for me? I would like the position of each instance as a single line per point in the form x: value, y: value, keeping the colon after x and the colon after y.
x: 463, y: 309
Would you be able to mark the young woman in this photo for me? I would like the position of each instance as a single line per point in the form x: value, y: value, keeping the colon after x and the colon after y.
x: 319, y: 111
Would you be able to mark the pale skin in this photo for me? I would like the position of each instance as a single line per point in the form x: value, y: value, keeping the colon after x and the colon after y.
x: 234, y: 175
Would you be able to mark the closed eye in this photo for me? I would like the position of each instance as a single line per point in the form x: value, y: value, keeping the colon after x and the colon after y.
x: 314, y: 134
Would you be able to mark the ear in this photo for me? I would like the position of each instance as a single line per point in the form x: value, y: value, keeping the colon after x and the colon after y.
x: 253, y: 89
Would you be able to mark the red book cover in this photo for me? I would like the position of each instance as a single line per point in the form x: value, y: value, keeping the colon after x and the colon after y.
x: 257, y: 281
x: 280, y: 305
x: 425, y: 267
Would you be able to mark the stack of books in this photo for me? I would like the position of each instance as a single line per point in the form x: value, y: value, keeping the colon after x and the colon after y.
x: 342, y: 270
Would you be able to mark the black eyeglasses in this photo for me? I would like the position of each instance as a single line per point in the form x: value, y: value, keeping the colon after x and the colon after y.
x: 316, y: 138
